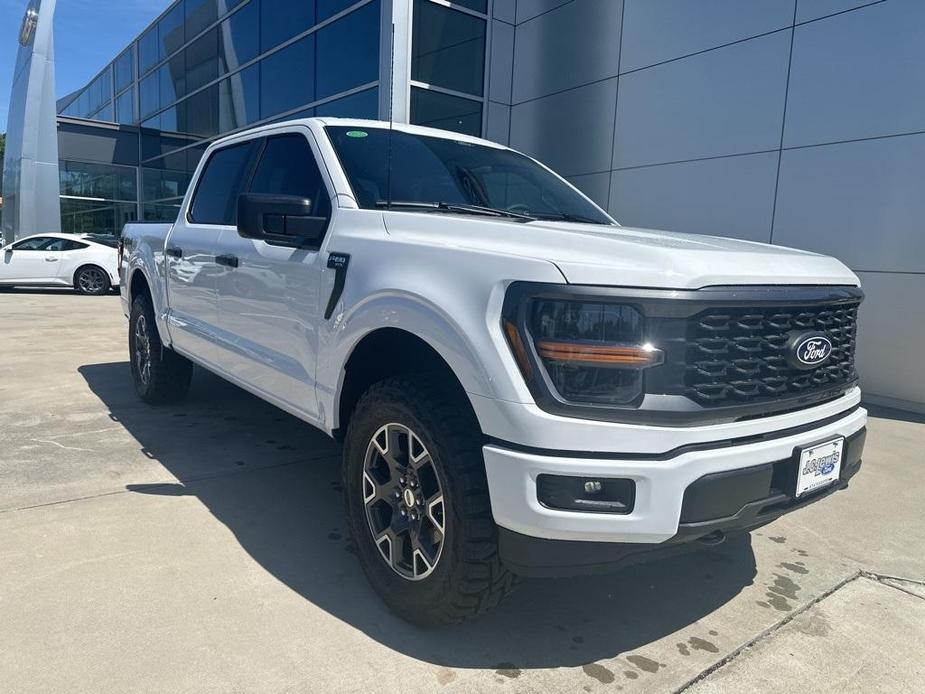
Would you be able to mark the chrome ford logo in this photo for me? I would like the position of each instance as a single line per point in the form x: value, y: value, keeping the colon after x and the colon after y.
x: 809, y: 350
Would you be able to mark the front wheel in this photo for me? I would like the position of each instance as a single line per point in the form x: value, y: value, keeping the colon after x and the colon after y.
x: 160, y: 374
x: 417, y: 502
x: 92, y: 280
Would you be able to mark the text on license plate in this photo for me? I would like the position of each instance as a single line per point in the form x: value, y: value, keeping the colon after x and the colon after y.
x: 820, y: 465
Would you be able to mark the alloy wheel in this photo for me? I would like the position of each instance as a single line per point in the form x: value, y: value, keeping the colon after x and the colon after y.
x: 403, y: 498
x: 91, y: 280
x: 142, y: 349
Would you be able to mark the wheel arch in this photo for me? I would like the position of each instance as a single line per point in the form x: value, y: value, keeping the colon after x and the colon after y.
x: 407, y: 353
x: 138, y: 283
x: 84, y: 266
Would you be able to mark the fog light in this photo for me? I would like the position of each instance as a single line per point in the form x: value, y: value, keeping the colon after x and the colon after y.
x: 593, y: 486
x: 609, y: 495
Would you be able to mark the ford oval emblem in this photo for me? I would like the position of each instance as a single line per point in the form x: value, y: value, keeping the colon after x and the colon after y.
x: 809, y: 350
x: 29, y: 22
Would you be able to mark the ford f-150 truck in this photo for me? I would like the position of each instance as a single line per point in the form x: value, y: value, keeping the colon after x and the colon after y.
x: 522, y: 385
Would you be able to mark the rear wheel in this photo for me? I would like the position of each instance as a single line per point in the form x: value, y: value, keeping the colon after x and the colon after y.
x: 91, y: 280
x: 160, y: 374
x: 418, y: 505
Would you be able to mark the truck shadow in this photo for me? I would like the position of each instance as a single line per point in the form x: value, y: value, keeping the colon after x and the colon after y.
x: 281, y: 497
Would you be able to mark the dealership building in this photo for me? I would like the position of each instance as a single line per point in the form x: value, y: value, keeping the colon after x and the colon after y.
x: 795, y: 122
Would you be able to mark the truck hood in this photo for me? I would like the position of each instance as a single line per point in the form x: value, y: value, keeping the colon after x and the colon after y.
x: 625, y: 256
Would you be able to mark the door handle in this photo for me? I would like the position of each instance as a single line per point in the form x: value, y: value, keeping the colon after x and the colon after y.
x: 51, y: 260
x: 227, y: 260
x: 174, y: 252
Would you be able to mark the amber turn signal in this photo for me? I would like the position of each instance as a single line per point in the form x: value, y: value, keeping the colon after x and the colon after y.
x: 626, y: 356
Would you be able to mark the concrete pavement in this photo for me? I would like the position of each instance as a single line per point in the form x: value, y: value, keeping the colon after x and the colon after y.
x: 201, y: 547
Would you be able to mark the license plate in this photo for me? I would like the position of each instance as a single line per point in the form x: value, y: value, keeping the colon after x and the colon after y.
x: 820, y: 466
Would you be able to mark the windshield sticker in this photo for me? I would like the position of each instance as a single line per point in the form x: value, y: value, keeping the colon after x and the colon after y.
x: 357, y: 133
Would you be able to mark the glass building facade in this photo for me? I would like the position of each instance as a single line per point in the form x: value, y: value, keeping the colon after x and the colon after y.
x: 207, y: 68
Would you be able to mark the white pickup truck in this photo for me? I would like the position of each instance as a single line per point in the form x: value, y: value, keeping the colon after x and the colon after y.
x: 522, y: 385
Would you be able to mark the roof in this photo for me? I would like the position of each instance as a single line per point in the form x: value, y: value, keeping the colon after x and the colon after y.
x: 365, y: 123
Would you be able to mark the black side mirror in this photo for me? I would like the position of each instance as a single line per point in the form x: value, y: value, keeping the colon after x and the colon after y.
x: 285, y: 220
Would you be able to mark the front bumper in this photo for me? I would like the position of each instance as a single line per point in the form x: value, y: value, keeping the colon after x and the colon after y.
x: 699, y: 492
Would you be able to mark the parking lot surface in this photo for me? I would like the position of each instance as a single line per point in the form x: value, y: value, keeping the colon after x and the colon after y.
x: 201, y: 548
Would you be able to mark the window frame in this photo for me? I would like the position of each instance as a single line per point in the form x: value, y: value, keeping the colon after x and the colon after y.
x: 309, y: 136
x: 256, y: 142
x: 16, y: 245
x: 250, y: 142
x: 482, y: 99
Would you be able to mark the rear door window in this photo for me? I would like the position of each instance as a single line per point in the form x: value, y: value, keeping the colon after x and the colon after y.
x: 216, y: 197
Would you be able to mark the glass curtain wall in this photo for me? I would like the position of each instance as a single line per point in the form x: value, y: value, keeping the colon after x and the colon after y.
x: 448, y: 64
x: 209, y: 67
x: 97, y: 198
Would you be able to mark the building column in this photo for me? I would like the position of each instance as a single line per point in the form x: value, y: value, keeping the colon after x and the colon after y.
x: 395, y: 66
x: 31, y: 186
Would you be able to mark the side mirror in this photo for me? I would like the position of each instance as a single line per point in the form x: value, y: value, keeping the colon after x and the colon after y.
x: 285, y: 220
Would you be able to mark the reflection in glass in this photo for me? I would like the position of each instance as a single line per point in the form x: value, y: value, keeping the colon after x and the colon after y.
x: 287, y: 78
x: 280, y: 20
x: 149, y: 95
x: 172, y: 79
x: 104, y: 114
x: 161, y: 212
x: 361, y: 105
x: 93, y: 217
x: 124, y: 69
x: 107, y: 181
x: 202, y: 60
x: 125, y: 107
x: 199, y: 113
x: 348, y: 52
x: 200, y: 14
x: 170, y: 34
x: 477, y: 5
x: 239, y: 99
x: 329, y: 8
x: 444, y: 111
x: 447, y: 48
x: 159, y: 184
x: 239, y: 40
x: 147, y: 50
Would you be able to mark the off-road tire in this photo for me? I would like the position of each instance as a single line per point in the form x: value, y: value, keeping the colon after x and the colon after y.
x: 468, y: 577
x: 168, y: 375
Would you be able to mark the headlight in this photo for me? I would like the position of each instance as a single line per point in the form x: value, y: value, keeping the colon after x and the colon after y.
x: 584, y: 352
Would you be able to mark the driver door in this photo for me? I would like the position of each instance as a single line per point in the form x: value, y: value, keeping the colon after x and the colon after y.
x: 31, y: 261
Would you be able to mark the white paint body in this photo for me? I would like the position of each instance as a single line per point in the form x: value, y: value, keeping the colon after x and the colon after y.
x: 443, y: 278
x: 56, y: 266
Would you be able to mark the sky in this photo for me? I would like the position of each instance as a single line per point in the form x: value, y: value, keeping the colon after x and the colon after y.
x: 88, y: 34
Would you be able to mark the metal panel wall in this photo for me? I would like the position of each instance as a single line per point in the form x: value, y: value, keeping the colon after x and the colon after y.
x: 799, y: 122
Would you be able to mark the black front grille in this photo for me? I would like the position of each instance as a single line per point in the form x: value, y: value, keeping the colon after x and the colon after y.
x: 738, y: 355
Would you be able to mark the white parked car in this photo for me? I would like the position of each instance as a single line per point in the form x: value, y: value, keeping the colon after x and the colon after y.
x: 521, y: 384
x: 87, y: 263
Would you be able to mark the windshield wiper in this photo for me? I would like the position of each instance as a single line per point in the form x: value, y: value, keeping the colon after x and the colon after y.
x: 570, y: 217
x: 456, y: 207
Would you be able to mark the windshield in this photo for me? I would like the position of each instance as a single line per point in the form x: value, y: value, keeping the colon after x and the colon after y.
x: 442, y: 175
